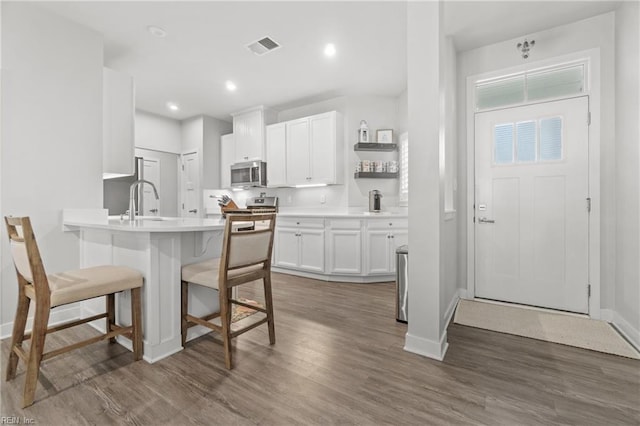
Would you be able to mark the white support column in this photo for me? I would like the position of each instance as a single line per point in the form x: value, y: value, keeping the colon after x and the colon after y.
x: 424, y: 335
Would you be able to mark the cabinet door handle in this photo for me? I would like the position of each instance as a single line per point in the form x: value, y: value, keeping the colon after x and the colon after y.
x: 193, y: 211
x: 154, y: 210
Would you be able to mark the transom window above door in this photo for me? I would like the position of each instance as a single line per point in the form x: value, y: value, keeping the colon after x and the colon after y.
x: 529, y: 141
x: 531, y: 86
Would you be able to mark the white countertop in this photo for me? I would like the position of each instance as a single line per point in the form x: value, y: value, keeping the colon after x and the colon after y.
x: 340, y: 214
x: 164, y: 224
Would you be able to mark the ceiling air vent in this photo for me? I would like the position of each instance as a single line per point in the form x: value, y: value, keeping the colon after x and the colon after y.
x: 263, y: 46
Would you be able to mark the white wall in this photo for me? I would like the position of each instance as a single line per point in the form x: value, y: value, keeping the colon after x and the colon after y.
x: 380, y: 112
x: 169, y: 179
x: 157, y: 132
x: 426, y: 334
x: 596, y: 32
x: 449, y: 276
x: 402, y: 113
x: 213, y: 130
x: 51, y: 133
x: 191, y: 134
x: 627, y: 134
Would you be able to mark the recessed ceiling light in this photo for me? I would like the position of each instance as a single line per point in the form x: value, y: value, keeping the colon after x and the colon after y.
x: 173, y: 106
x: 330, y: 50
x: 231, y: 86
x: 157, y: 31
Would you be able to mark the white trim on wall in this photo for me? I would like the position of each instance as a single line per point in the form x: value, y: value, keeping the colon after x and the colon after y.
x: 61, y: 316
x: 624, y: 327
x: 592, y: 59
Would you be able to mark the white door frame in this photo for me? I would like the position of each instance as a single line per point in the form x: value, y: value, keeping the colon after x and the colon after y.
x: 181, y: 200
x: 592, y: 60
x: 157, y: 184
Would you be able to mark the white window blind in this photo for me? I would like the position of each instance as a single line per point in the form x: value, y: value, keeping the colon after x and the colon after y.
x: 505, y: 91
x: 530, y: 141
x: 555, y: 83
x: 532, y: 85
x: 404, y: 169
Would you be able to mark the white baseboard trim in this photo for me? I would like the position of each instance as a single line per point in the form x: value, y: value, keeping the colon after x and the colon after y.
x: 370, y: 279
x: 464, y: 293
x: 429, y: 348
x: 624, y: 327
x: 448, y: 315
x: 99, y: 324
x: 56, y: 317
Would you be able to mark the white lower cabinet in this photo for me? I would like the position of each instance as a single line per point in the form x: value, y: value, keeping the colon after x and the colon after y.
x: 358, y: 250
x: 311, y: 250
x: 344, y: 247
x: 382, y: 239
x: 299, y: 244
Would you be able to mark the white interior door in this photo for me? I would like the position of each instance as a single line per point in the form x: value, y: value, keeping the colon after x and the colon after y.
x: 531, y: 205
x: 150, y: 206
x: 190, y: 185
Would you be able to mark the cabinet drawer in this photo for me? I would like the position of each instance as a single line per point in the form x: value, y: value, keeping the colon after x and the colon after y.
x: 344, y: 224
x: 300, y: 222
x: 389, y: 223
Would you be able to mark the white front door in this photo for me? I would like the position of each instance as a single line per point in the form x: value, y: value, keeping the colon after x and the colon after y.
x: 531, y: 205
x: 190, y: 185
x: 151, y: 172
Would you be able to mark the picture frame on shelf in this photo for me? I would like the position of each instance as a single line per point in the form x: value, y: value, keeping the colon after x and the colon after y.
x: 384, y: 136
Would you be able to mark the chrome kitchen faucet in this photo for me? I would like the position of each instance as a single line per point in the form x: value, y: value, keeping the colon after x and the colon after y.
x: 132, y: 188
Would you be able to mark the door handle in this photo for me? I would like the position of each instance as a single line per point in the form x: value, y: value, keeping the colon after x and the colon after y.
x: 193, y: 211
x: 485, y: 220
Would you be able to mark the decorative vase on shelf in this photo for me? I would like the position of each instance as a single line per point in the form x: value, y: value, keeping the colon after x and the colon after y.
x: 363, y: 132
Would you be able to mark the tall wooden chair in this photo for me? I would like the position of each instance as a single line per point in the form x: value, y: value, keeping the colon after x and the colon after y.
x: 246, y: 257
x: 49, y: 291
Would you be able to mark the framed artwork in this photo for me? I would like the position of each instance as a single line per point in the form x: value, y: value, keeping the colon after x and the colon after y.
x: 384, y: 136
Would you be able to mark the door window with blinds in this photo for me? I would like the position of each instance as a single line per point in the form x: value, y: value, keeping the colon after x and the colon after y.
x: 528, y: 141
x: 531, y: 86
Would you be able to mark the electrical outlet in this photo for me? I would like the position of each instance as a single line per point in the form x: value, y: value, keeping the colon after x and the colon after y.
x: 323, y: 199
x: 289, y: 199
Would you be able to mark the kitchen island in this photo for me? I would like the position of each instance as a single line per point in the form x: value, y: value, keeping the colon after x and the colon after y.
x: 157, y: 247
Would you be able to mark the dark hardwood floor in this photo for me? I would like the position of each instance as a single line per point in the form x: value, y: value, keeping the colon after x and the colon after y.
x: 338, y: 360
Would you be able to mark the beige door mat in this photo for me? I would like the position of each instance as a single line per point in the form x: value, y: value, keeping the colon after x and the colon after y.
x: 566, y: 329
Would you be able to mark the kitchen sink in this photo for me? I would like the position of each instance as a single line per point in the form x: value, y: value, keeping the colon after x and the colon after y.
x: 378, y: 213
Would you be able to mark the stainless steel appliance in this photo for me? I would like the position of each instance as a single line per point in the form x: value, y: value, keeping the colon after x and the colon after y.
x: 248, y: 174
x: 402, y: 285
x: 257, y: 205
x: 375, y: 200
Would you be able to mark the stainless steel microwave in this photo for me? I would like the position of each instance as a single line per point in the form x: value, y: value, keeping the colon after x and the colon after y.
x: 250, y: 173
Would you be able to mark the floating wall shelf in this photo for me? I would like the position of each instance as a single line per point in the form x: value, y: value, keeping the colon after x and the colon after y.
x: 375, y: 147
x: 375, y: 175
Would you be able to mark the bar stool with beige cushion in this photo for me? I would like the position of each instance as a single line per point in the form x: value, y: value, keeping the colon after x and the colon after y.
x: 49, y: 291
x: 246, y: 257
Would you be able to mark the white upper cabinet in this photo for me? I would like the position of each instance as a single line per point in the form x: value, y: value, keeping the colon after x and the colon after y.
x: 314, y: 148
x: 226, y: 160
x: 323, y: 144
x: 276, y: 145
x: 298, y: 152
x: 118, y: 114
x: 248, y: 131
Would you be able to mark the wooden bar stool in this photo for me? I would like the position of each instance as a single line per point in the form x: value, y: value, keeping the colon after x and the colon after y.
x: 49, y: 291
x: 246, y: 257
